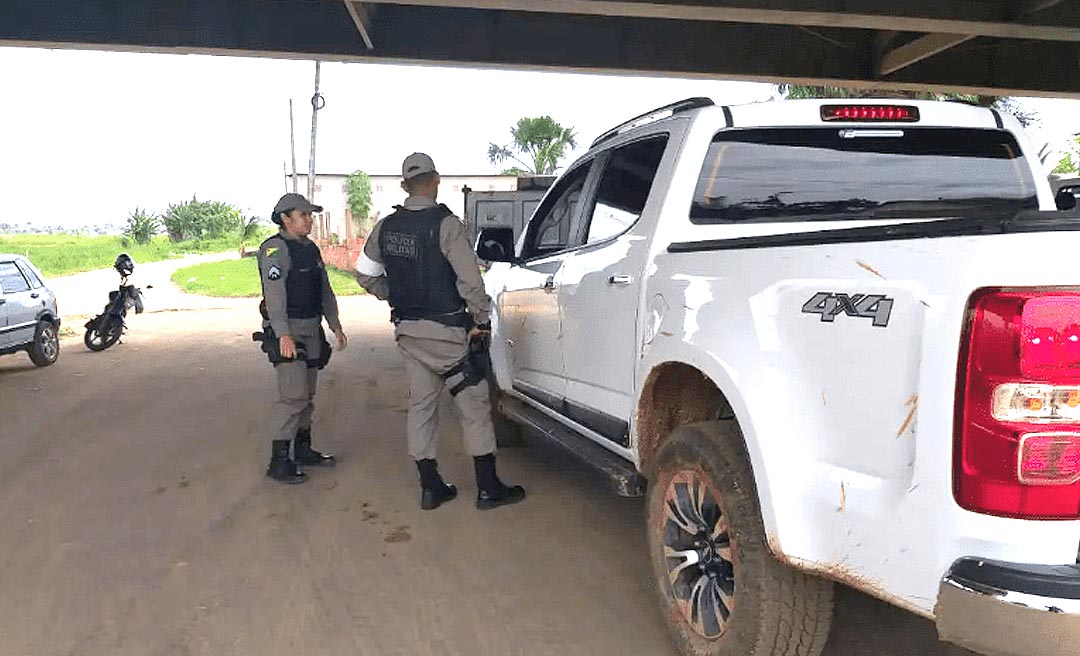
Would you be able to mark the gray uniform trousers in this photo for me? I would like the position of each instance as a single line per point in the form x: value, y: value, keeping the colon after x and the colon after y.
x: 296, y: 383
x: 426, y: 361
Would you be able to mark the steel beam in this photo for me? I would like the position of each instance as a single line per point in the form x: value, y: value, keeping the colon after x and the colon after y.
x: 730, y: 12
x: 918, y: 50
x: 359, y: 14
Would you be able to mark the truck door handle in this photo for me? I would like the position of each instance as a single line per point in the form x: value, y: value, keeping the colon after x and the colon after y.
x: 34, y: 295
x: 620, y: 279
x: 3, y: 300
x: 549, y: 284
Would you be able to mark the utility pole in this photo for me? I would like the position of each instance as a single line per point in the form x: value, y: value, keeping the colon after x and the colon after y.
x: 317, y: 103
x: 292, y: 146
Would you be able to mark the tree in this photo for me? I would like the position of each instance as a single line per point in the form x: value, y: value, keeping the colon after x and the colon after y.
x: 358, y: 192
x: 539, y: 139
x: 142, y: 226
x: 1070, y: 158
x: 1001, y: 103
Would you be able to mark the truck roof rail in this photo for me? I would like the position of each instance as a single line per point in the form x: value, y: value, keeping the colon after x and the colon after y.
x: 653, y: 115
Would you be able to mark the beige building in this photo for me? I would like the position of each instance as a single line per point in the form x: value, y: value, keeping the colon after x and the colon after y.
x: 330, y: 192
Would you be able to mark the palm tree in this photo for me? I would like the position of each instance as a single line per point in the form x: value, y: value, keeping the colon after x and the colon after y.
x: 540, y: 139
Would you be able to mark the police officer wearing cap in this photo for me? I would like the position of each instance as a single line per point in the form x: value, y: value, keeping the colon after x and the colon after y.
x: 296, y: 297
x: 420, y: 259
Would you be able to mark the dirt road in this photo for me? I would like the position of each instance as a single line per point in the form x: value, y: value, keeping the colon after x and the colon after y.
x: 136, y: 519
x: 84, y: 294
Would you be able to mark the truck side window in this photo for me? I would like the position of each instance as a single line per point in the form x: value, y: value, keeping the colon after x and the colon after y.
x: 624, y: 188
x: 550, y: 228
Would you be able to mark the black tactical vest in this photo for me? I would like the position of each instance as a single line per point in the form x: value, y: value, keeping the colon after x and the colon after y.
x: 423, y: 285
x: 303, y: 286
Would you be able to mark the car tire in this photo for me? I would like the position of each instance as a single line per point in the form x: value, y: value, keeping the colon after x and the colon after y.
x: 45, y: 349
x: 722, y: 592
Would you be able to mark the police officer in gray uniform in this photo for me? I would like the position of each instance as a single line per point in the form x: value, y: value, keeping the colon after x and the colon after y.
x: 419, y: 258
x: 296, y: 297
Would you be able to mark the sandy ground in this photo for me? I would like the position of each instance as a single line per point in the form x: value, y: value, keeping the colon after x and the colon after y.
x: 137, y: 519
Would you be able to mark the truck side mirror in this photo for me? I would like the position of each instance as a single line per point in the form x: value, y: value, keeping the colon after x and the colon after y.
x: 496, y: 245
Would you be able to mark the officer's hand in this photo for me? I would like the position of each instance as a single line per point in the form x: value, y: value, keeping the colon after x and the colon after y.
x: 478, y: 332
x: 342, y: 340
x: 287, y: 347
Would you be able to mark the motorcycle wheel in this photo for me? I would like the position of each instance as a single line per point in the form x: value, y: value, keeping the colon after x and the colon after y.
x: 103, y: 334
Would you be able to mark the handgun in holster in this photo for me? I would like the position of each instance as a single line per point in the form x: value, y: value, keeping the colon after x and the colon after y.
x: 473, y: 367
x: 271, y: 345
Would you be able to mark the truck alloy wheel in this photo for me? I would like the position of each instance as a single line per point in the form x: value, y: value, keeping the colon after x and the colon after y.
x: 722, y: 592
x: 697, y: 547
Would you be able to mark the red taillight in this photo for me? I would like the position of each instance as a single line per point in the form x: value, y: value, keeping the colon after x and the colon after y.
x: 870, y: 113
x: 1017, y: 420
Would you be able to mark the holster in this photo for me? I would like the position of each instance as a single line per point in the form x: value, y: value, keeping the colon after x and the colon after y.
x: 324, y: 352
x: 269, y: 344
x: 473, y: 367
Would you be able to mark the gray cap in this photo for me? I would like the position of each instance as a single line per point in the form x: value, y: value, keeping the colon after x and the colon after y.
x: 417, y: 164
x: 290, y: 202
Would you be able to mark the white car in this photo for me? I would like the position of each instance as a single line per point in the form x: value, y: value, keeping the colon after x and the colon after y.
x: 832, y: 341
x: 29, y: 319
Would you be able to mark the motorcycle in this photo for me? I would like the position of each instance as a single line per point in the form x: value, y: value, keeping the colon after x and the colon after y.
x: 105, y: 329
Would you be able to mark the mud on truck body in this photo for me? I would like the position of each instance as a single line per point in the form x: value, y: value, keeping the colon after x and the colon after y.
x: 831, y: 341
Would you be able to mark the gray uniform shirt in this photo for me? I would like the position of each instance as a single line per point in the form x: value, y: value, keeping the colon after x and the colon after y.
x: 455, y: 247
x: 274, y: 265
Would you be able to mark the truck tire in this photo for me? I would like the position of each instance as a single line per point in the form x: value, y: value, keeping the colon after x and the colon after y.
x: 721, y: 591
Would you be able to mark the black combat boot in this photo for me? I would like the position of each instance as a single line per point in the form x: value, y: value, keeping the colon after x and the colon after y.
x: 303, y: 454
x: 491, y: 492
x: 434, y: 491
x: 281, y: 467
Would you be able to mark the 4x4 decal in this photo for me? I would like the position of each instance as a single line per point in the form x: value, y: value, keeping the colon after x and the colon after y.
x: 865, y: 306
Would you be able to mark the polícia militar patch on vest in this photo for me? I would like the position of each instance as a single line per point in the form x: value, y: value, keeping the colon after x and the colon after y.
x: 274, y: 273
x: 397, y: 244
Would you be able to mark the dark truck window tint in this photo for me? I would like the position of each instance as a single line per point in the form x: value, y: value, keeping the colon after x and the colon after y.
x: 624, y: 188
x: 815, y: 174
x: 549, y: 229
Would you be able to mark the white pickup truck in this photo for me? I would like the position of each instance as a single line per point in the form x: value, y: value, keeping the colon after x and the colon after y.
x: 840, y: 341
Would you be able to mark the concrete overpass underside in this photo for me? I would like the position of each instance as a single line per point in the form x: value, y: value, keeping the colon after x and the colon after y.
x: 999, y: 47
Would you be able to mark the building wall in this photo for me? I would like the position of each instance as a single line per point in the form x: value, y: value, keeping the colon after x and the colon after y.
x: 386, y: 192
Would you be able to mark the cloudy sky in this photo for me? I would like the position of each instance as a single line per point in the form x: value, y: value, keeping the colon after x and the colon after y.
x: 87, y: 136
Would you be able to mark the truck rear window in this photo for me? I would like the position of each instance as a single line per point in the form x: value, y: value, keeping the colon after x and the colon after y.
x: 820, y: 174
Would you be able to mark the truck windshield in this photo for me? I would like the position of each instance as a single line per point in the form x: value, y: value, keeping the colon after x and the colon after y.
x: 816, y: 174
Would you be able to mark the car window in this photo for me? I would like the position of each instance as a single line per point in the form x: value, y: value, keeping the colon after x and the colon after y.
x: 35, y: 282
x: 552, y: 226
x: 624, y: 188
x: 11, y: 279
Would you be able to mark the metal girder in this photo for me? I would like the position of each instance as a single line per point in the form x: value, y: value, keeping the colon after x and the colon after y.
x: 326, y: 30
x: 359, y: 14
x: 747, y: 12
x: 918, y: 50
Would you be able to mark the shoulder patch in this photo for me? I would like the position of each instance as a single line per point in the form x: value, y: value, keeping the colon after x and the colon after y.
x: 271, y: 251
x: 273, y: 273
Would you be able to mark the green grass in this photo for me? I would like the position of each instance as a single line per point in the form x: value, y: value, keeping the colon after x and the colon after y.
x: 58, y: 255
x: 240, y: 278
